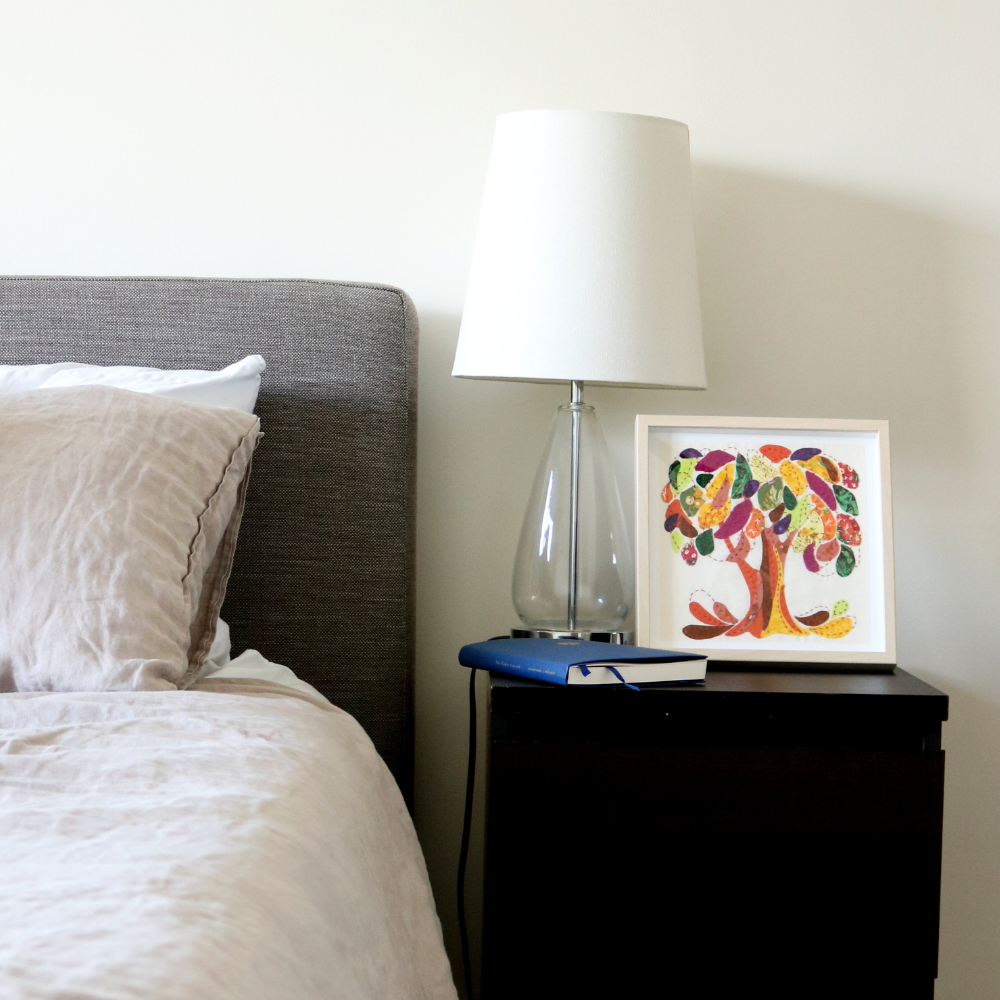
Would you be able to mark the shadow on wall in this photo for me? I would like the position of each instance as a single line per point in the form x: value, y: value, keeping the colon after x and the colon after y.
x: 816, y: 302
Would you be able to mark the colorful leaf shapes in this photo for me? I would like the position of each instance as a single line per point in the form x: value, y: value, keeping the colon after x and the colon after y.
x: 775, y: 452
x: 816, y: 618
x: 809, y: 559
x: 737, y: 519
x: 690, y: 453
x: 788, y: 498
x: 781, y: 526
x: 743, y: 475
x: 762, y: 468
x: 845, y: 561
x: 800, y: 515
x: 822, y: 489
x: 839, y: 608
x: 704, y: 631
x: 691, y: 500
x: 849, y: 477
x: 723, y: 613
x: 847, y: 500
x: 666, y: 494
x: 719, y: 487
x: 832, y: 472
x: 714, y: 460
x: 711, y: 516
x: 829, y: 525
x: 684, y: 474
x: 670, y: 523
x: 705, y: 543
x: 804, y: 454
x: 703, y: 479
x: 754, y: 526
x: 689, y: 554
x: 794, y: 478
x: 770, y: 494
x: 686, y: 528
x: 836, y: 628
x: 848, y: 529
x: 702, y: 615
x: 828, y: 550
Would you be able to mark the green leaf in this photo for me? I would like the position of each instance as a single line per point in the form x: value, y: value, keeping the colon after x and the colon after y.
x: 703, y: 479
x: 847, y: 500
x: 845, y: 561
x: 676, y: 540
x: 789, y: 499
x: 800, y: 515
x: 769, y: 495
x: 705, y: 543
x: 840, y: 608
x: 674, y: 469
x: 691, y: 500
x: 743, y: 476
x: 685, y: 472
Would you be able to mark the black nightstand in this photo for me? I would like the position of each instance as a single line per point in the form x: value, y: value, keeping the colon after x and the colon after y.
x: 771, y: 834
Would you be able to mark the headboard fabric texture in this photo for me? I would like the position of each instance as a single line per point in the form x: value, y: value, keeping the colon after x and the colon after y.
x: 323, y: 576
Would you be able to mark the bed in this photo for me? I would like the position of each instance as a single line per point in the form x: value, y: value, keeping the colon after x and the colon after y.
x: 240, y: 838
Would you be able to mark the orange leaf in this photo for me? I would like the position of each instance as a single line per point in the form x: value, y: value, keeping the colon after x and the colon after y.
x: 702, y: 615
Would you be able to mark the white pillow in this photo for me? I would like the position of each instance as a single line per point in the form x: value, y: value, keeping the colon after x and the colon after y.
x: 235, y: 386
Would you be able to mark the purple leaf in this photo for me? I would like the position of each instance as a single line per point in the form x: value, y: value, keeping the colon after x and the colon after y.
x: 736, y: 521
x: 690, y: 453
x: 782, y: 526
x: 713, y: 460
x: 809, y: 558
x: 670, y: 523
x: 822, y: 489
x: 751, y: 488
x: 804, y: 454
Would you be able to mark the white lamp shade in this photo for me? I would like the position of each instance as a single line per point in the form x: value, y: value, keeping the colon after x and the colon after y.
x: 584, y: 264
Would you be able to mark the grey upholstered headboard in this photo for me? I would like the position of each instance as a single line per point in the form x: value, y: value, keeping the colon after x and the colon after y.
x: 323, y: 579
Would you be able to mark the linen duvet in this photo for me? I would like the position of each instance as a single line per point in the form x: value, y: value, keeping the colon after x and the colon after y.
x: 235, y: 840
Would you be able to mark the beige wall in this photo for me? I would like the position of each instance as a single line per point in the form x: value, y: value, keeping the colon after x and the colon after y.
x: 847, y: 174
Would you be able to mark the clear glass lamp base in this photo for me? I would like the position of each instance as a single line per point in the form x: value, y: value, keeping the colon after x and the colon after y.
x: 573, y: 571
x: 615, y: 638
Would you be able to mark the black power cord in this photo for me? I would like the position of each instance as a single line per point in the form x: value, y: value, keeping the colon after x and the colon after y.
x: 463, y: 854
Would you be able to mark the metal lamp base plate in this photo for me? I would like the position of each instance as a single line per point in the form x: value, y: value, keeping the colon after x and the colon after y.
x: 615, y: 638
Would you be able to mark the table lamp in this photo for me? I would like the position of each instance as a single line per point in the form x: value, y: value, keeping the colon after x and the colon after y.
x: 583, y: 271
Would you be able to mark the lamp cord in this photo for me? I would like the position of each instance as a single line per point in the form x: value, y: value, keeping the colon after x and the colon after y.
x: 463, y: 854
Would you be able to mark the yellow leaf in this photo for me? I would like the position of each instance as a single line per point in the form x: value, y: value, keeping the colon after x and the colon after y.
x: 763, y: 470
x: 836, y: 628
x: 711, y: 517
x: 815, y: 465
x: 793, y: 477
x: 724, y: 474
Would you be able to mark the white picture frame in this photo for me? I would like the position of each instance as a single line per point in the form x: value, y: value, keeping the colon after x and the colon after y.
x: 783, y: 590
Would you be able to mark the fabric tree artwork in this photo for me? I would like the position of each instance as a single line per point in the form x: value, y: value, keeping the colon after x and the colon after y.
x: 758, y: 510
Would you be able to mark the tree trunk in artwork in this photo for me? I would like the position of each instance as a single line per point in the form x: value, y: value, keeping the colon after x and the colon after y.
x: 768, y: 613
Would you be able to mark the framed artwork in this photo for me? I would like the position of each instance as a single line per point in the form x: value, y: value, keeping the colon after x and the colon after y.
x: 765, y: 540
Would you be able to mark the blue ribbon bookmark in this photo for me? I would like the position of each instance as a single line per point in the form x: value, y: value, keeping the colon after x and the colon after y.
x: 585, y: 670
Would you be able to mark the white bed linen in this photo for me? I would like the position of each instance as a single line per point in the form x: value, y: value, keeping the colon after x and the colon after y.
x: 236, y: 840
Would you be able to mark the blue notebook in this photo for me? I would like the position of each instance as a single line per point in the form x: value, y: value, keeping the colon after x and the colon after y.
x: 577, y: 661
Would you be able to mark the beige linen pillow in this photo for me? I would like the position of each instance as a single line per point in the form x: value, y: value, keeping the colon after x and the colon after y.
x: 119, y: 513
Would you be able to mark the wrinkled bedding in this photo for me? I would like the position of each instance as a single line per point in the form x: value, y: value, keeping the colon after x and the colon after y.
x: 236, y: 840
